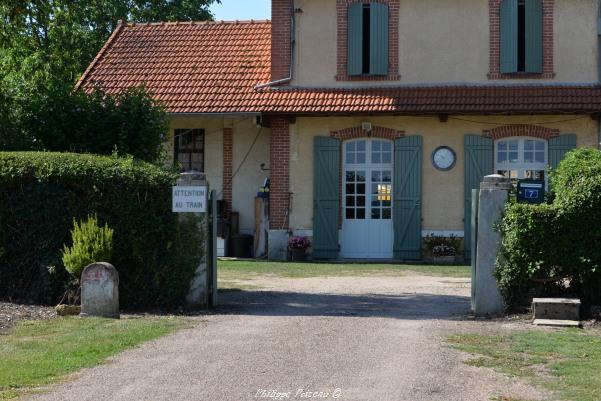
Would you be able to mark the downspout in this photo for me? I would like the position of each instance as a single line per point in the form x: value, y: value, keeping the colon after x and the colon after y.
x: 599, y: 69
x: 292, y: 47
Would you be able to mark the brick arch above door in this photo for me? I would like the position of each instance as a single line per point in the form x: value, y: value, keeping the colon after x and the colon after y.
x: 359, y: 132
x: 513, y: 130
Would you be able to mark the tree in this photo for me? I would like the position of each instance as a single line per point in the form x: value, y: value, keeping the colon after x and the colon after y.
x: 69, y: 33
x: 45, y: 45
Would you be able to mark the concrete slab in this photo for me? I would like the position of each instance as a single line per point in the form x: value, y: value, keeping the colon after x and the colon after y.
x: 556, y: 323
x: 556, y: 309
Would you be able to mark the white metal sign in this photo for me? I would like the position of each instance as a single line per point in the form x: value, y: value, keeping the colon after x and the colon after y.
x: 190, y: 199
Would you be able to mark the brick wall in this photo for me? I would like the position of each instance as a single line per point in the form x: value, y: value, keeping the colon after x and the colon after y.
x: 376, y: 132
x: 514, y: 130
x: 495, y: 43
x: 279, y: 197
x: 281, y: 25
x: 342, y: 41
x: 228, y: 166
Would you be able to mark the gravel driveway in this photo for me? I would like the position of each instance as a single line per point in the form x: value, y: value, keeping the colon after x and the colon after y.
x: 347, y: 338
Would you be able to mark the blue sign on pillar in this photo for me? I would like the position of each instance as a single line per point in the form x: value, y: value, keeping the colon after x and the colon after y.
x: 531, y: 191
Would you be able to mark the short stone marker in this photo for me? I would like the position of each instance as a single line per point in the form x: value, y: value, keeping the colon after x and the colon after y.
x: 556, y: 311
x: 100, y: 290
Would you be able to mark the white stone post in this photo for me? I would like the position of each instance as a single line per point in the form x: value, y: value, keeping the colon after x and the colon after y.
x: 494, y: 191
x: 198, y: 294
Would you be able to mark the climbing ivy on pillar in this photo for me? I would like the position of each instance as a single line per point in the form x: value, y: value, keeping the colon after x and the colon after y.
x: 479, y: 162
x: 407, y: 191
x: 326, y: 197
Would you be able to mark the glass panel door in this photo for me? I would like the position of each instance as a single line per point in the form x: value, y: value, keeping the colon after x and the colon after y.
x: 367, y: 230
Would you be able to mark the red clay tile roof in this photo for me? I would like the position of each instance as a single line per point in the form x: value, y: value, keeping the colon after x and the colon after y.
x: 191, y: 67
x: 214, y: 68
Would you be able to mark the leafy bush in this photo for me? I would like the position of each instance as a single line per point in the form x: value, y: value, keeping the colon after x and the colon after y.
x: 129, y: 123
x: 576, y: 183
x: 555, y: 250
x: 91, y: 243
x: 40, y: 195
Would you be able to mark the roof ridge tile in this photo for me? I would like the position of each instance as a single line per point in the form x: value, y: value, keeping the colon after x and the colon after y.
x: 183, y: 23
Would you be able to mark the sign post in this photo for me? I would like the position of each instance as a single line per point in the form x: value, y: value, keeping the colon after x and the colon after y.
x: 190, y: 198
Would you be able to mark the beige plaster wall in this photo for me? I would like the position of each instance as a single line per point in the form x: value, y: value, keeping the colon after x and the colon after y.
x: 213, y: 145
x: 444, y: 42
x: 250, y: 176
x: 443, y: 192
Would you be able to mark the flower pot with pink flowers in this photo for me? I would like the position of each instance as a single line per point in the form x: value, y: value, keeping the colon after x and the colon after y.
x: 297, y: 248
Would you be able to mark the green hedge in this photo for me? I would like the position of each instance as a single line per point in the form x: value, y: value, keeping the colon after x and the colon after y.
x: 555, y: 249
x: 41, y: 194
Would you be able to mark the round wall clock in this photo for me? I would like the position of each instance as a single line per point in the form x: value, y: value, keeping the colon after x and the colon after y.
x: 444, y: 158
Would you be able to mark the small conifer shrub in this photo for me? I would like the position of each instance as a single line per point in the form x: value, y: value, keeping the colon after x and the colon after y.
x: 91, y: 243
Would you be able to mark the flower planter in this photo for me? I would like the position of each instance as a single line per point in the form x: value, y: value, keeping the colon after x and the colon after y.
x: 298, y: 255
x: 444, y: 260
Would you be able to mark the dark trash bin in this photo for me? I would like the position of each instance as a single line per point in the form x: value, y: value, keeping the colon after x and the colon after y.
x: 241, y: 246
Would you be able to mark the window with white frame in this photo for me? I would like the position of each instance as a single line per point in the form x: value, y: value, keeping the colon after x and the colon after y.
x: 521, y: 158
x: 368, y: 179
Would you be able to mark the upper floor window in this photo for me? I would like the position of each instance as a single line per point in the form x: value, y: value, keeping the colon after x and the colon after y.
x: 521, y: 158
x: 521, y: 32
x: 368, y: 25
x: 189, y: 149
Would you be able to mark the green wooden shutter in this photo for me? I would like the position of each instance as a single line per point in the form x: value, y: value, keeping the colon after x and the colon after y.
x: 355, y: 39
x: 509, y: 36
x: 408, y: 198
x: 378, y: 64
x: 558, y: 147
x: 534, y: 36
x: 479, y: 161
x: 326, y: 197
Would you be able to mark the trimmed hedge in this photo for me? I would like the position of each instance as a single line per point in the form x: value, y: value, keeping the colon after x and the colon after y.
x: 555, y: 249
x: 41, y: 194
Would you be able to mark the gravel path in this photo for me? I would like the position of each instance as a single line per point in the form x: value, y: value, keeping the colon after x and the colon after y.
x: 348, y: 338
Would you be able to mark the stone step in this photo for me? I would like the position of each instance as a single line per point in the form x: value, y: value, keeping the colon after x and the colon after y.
x: 556, y: 323
x: 556, y: 309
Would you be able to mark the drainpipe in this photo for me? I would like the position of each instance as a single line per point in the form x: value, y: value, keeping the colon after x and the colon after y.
x: 599, y: 69
x: 292, y: 46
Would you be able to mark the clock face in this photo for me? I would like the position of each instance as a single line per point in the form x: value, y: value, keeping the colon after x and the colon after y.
x: 444, y: 158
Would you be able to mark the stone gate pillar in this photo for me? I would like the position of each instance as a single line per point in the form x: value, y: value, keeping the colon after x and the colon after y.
x: 494, y: 191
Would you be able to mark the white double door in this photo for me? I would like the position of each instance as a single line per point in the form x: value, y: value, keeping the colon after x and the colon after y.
x: 367, y: 224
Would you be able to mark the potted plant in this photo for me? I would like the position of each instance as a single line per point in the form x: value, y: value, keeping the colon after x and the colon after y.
x: 443, y: 249
x: 297, y: 246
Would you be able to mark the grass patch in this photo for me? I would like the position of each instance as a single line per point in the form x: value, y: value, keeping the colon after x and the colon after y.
x: 40, y: 352
x: 566, y: 362
x: 230, y: 270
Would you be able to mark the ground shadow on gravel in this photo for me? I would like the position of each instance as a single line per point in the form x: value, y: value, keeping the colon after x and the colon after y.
x: 402, y: 306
